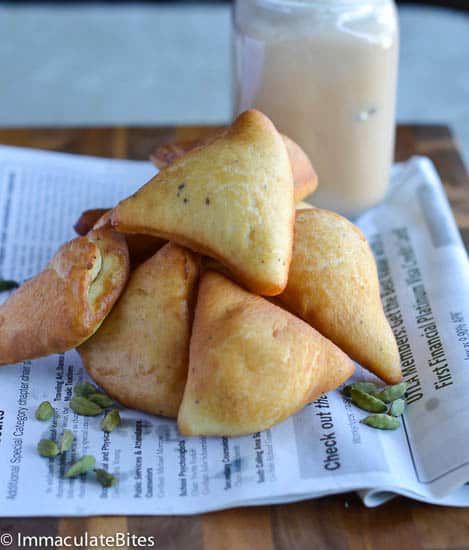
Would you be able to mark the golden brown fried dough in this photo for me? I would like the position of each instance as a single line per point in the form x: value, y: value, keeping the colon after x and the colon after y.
x: 140, y: 353
x: 65, y: 304
x: 252, y: 364
x: 167, y: 153
x: 333, y: 285
x: 141, y: 247
x: 304, y: 177
x: 88, y: 219
x: 231, y: 200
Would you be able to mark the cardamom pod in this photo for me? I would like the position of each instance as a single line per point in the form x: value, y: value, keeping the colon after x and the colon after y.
x: 391, y: 393
x: 105, y: 478
x: 81, y: 466
x: 367, y: 402
x: 85, y: 407
x: 84, y: 389
x: 111, y: 421
x: 8, y: 285
x: 366, y: 387
x: 66, y: 441
x: 381, y: 421
x: 397, y: 407
x: 101, y: 399
x: 47, y: 448
x: 45, y: 411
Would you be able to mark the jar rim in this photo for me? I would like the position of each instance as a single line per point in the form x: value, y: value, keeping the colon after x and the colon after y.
x: 326, y: 5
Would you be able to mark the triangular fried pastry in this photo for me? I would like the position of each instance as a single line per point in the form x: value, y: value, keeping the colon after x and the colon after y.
x: 140, y: 353
x: 333, y: 285
x: 141, y: 247
x: 304, y: 176
x: 165, y: 154
x: 231, y: 200
x: 87, y: 220
x: 65, y: 304
x: 252, y: 364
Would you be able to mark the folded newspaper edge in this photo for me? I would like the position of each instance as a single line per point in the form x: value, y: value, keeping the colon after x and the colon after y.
x: 322, y: 450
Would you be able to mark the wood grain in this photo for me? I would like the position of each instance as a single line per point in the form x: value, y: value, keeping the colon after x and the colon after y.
x: 339, y: 522
x: 238, y: 529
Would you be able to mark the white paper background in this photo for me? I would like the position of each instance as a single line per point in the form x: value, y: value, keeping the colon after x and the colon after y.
x: 161, y: 472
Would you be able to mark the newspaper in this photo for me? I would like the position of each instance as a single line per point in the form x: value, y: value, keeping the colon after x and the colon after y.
x: 320, y: 451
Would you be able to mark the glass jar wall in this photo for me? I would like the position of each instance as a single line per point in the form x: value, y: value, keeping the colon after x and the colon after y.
x: 325, y: 72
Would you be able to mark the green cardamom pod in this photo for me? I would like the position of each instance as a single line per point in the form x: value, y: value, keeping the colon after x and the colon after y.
x: 101, y: 399
x: 66, y: 441
x: 105, y: 478
x: 381, y: 421
x: 367, y: 402
x: 84, y: 389
x: 397, y: 407
x: 111, y: 421
x: 81, y: 466
x: 391, y: 393
x: 45, y: 411
x: 47, y: 448
x: 85, y: 407
x: 8, y: 285
x: 366, y: 387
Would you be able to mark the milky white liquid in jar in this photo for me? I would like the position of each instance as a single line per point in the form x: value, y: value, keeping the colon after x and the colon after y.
x: 325, y: 72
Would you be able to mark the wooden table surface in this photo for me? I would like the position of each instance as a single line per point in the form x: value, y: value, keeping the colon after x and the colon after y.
x: 340, y: 522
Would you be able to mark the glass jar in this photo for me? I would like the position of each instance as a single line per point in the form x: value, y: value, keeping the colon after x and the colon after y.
x: 325, y: 72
